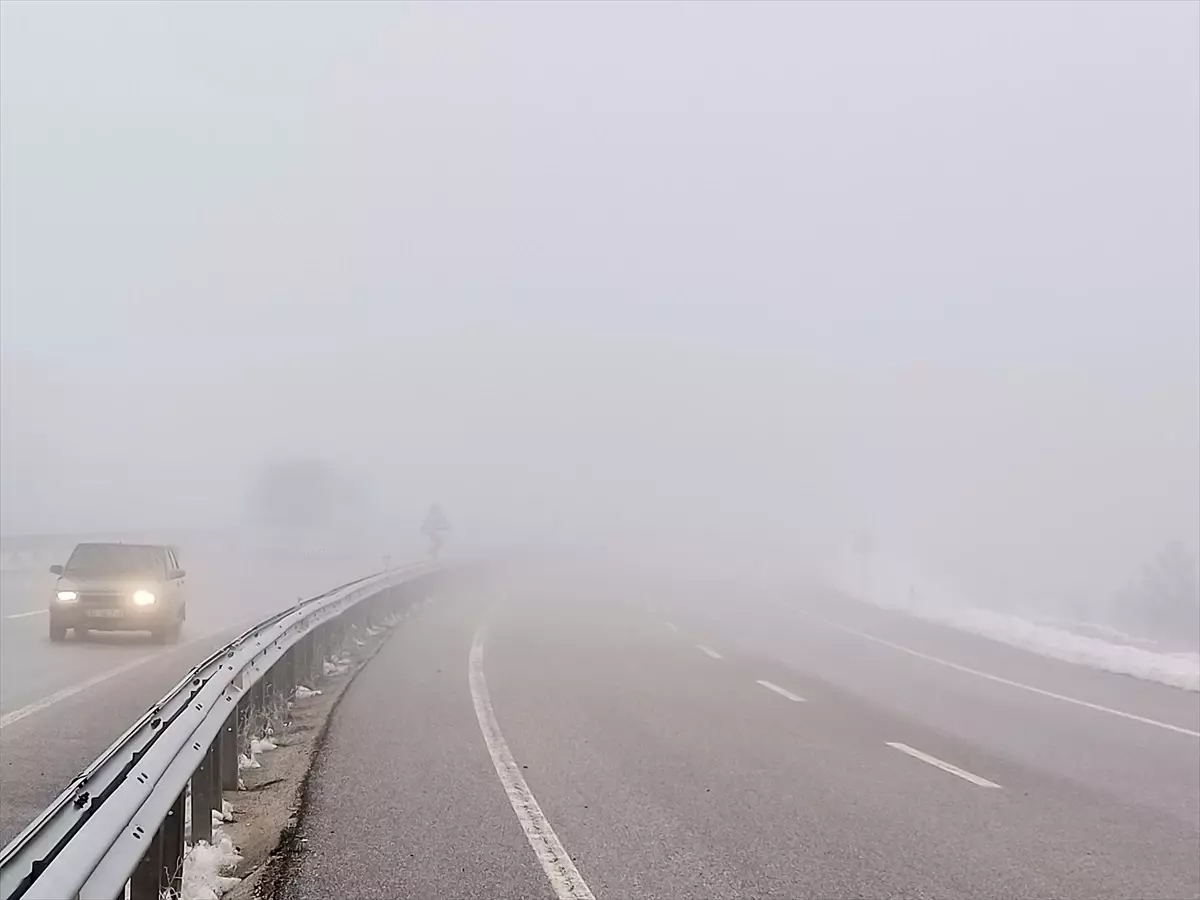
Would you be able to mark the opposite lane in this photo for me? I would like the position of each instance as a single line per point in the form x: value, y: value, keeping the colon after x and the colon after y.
x: 62, y: 704
x: 666, y: 773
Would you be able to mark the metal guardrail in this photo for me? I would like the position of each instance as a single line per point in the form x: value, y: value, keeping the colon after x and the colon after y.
x: 121, y: 821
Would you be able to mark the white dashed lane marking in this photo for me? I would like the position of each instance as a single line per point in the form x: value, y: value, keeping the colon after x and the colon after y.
x: 782, y: 692
x: 943, y: 765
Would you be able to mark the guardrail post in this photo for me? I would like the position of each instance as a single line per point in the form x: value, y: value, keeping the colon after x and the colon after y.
x: 202, y: 799
x: 268, y: 697
x: 287, y: 674
x: 314, y: 657
x: 173, y: 848
x: 304, y: 663
x: 320, y: 651
x: 317, y: 655
x: 229, y: 752
x: 299, y: 663
x: 245, y: 729
x: 218, y: 776
x: 144, y: 885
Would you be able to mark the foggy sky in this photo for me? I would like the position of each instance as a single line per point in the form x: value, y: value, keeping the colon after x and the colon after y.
x: 720, y: 278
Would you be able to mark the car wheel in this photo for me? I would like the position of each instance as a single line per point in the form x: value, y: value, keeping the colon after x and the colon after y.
x: 57, y: 632
x: 82, y: 634
x: 166, y: 634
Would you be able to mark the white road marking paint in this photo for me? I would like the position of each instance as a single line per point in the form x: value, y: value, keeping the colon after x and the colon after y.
x: 564, y: 878
x: 32, y: 612
x: 672, y: 626
x: 708, y: 651
x: 37, y: 706
x: 999, y: 680
x: 18, y: 714
x: 943, y: 765
x: 782, y: 692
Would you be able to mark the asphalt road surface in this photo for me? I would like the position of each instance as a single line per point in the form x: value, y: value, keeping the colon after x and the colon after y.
x: 551, y: 736
x: 62, y: 704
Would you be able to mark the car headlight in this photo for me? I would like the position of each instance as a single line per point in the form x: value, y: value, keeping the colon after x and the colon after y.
x: 143, y: 598
x: 67, y: 596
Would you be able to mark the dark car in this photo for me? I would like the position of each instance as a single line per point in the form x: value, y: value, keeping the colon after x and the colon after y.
x: 119, y: 587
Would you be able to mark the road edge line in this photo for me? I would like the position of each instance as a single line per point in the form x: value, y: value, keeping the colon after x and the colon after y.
x: 564, y: 878
x: 1001, y: 680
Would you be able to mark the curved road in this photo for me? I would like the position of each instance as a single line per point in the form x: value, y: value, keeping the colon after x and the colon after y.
x: 562, y: 736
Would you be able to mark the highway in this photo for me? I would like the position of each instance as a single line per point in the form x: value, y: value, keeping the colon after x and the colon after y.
x: 61, y: 704
x: 557, y: 734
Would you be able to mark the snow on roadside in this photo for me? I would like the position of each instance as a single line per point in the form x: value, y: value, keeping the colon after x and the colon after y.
x: 248, y: 762
x: 261, y: 745
x: 1181, y: 670
x: 895, y: 585
x: 334, y: 666
x: 258, y: 745
x: 204, y: 868
x: 225, y: 815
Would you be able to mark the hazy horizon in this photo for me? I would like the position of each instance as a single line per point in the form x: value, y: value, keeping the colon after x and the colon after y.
x: 715, y: 282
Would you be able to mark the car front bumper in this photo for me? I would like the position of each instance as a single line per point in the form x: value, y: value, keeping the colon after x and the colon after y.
x: 129, y: 618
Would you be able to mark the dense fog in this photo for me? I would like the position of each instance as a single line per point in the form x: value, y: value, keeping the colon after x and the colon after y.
x: 896, y: 294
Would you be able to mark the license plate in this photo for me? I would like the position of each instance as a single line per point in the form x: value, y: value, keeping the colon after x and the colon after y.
x: 106, y: 613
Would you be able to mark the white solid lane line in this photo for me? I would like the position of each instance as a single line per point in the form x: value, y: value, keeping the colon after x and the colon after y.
x: 996, y: 678
x: 943, y: 765
x: 38, y: 705
x: 708, y: 651
x: 564, y: 878
x: 32, y: 612
x: 782, y: 692
x: 18, y: 714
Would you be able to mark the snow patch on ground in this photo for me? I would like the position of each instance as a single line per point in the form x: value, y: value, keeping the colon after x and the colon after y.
x: 895, y: 585
x: 257, y: 745
x: 303, y: 692
x: 225, y: 815
x: 1181, y: 670
x: 261, y: 745
x: 204, y: 868
x: 333, y: 667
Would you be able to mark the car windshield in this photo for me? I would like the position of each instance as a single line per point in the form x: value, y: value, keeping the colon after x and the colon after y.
x: 113, y: 559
